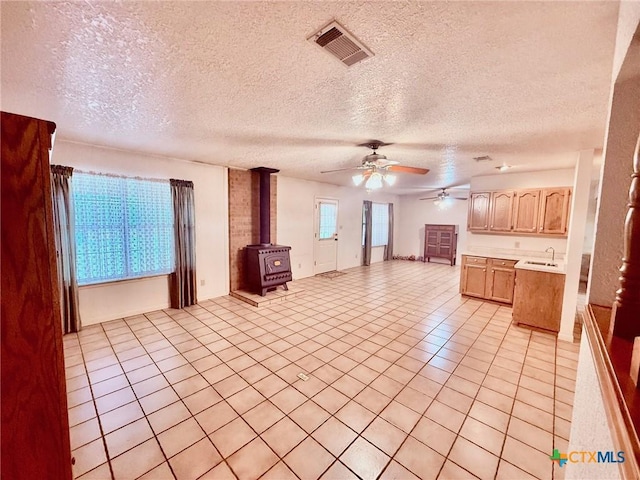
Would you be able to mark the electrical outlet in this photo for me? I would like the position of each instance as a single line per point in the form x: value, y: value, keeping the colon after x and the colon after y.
x: 299, y: 265
x: 202, y: 283
x: 517, y: 244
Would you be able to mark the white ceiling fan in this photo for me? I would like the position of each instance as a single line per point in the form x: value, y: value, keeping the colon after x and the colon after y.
x: 443, y: 195
x: 376, y: 168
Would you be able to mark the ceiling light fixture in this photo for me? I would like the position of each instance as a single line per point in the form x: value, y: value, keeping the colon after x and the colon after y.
x: 440, y: 198
x: 503, y: 167
x: 357, y: 179
x: 390, y: 179
x: 374, y: 182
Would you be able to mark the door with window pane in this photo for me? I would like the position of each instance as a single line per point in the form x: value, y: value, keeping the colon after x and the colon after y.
x: 326, y: 235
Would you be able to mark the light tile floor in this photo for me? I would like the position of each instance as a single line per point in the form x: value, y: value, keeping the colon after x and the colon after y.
x: 407, y: 380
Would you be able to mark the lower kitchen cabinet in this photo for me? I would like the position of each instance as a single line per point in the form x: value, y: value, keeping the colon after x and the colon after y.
x: 473, y: 280
x: 501, y: 280
x: 488, y: 278
x: 538, y: 299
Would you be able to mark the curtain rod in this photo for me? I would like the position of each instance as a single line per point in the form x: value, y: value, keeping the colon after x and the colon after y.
x: 115, y: 175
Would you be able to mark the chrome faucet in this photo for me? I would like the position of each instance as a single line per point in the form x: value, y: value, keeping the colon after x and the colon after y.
x: 553, y: 253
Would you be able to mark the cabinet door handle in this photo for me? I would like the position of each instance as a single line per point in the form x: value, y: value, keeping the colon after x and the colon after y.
x: 484, y: 269
x: 485, y: 226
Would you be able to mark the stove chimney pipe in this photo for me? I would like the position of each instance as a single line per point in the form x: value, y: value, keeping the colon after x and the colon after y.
x: 265, y: 203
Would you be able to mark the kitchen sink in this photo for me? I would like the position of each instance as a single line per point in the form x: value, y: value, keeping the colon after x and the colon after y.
x: 544, y: 264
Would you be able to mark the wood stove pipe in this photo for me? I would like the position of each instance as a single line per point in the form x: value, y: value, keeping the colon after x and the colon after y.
x: 265, y: 203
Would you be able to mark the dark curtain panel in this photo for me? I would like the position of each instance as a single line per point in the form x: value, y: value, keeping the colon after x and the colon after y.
x: 366, y: 248
x: 183, y: 284
x: 63, y: 220
x: 388, y: 249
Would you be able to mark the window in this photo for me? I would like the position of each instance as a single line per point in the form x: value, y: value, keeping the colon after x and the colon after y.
x: 123, y: 227
x: 328, y: 220
x: 379, y: 224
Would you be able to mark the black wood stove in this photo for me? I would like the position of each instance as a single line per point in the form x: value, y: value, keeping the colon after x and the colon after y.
x: 267, y: 265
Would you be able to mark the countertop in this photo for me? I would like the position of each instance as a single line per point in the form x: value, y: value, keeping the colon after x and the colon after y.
x: 559, y: 268
x: 522, y: 257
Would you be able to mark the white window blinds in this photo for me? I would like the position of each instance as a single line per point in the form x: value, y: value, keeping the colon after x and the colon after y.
x: 123, y: 227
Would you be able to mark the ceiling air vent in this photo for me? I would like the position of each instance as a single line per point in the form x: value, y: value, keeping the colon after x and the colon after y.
x: 335, y: 39
x: 484, y: 158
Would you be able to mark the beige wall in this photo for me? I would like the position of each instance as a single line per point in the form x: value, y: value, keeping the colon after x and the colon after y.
x: 589, y: 425
x: 622, y: 133
x: 589, y: 430
x: 296, y: 203
x: 108, y: 301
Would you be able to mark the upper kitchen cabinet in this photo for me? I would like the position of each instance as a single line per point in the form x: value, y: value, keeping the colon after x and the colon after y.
x: 501, y: 208
x: 526, y: 205
x: 543, y: 211
x: 554, y: 211
x: 478, y: 218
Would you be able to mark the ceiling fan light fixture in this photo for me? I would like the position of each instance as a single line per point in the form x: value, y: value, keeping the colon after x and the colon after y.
x: 439, y: 200
x: 374, y: 182
x: 357, y: 179
x: 390, y: 179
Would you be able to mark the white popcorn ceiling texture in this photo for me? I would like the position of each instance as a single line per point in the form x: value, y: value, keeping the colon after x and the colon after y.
x: 238, y: 84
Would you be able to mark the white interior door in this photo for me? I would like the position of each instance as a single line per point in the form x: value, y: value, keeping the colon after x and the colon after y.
x: 326, y: 236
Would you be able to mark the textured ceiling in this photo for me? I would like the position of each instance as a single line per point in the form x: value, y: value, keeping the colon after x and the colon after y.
x: 238, y: 84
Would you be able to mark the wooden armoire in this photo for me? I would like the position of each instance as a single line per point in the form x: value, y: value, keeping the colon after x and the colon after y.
x: 35, y: 424
x: 440, y: 241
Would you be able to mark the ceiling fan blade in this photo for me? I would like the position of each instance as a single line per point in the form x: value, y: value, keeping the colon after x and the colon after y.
x: 403, y: 169
x: 341, y: 169
x: 440, y: 189
x: 445, y: 198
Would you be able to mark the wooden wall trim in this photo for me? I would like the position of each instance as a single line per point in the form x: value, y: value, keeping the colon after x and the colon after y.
x: 621, y: 425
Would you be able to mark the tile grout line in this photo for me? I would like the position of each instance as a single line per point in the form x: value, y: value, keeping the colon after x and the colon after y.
x: 400, y: 326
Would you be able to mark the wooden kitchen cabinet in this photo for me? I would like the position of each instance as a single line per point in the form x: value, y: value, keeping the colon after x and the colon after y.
x: 526, y: 206
x: 473, y: 276
x: 440, y: 241
x: 487, y: 278
x: 35, y: 425
x: 537, y: 299
x: 543, y: 211
x: 478, y: 217
x: 554, y: 211
x: 501, y: 208
x: 501, y: 276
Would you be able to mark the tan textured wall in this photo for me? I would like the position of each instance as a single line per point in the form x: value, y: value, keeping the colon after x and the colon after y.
x: 624, y: 125
x: 590, y: 430
x: 244, y: 220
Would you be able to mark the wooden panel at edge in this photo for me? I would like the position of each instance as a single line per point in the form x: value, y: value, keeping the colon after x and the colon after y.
x: 35, y: 435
